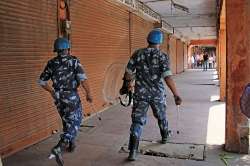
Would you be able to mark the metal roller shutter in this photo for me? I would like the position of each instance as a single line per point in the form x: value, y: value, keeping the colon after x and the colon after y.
x: 103, y: 36
x: 172, y: 54
x: 100, y: 40
x: 139, y: 32
x: 27, y: 114
x: 165, y: 46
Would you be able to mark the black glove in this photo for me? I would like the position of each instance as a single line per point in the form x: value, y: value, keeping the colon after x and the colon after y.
x: 125, y: 87
x: 126, y: 90
x: 177, y: 100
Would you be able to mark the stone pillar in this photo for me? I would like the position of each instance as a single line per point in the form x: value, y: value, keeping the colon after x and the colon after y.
x: 190, y: 53
x: 238, y: 69
x: 218, y: 57
x: 222, y: 40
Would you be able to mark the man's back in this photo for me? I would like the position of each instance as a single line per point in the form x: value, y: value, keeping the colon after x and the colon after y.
x: 150, y: 67
x: 205, y: 57
x: 62, y: 70
x: 150, y: 64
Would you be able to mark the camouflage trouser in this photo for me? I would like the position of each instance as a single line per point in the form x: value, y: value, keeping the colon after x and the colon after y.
x: 139, y: 115
x: 71, y: 123
x: 70, y: 110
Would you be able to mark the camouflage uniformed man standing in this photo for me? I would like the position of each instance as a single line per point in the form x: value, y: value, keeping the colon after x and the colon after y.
x: 150, y: 66
x: 66, y: 74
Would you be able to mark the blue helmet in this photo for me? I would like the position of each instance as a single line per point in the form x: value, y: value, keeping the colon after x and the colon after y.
x: 61, y: 44
x: 155, y: 37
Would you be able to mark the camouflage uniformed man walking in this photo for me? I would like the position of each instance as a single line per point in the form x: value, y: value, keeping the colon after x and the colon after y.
x: 66, y: 74
x: 149, y: 65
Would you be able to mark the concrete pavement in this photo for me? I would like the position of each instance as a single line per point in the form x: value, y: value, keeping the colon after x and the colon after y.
x: 202, y: 121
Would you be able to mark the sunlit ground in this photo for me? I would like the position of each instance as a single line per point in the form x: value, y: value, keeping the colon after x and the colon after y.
x: 216, y: 123
x: 214, y: 98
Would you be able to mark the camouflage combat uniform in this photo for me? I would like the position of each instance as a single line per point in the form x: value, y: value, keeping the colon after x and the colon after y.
x: 66, y: 72
x: 150, y: 66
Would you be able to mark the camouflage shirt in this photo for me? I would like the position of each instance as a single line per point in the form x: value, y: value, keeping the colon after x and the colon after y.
x: 65, y: 71
x: 149, y: 65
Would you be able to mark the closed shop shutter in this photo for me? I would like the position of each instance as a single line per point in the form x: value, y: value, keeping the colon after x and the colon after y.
x: 100, y: 39
x: 180, y: 56
x: 172, y: 54
x: 139, y: 32
x: 165, y: 46
x: 27, y: 114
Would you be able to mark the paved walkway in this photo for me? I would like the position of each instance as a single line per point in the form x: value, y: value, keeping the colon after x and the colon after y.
x: 202, y: 121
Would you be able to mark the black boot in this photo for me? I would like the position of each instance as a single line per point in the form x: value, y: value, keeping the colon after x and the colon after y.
x: 164, y: 136
x: 133, y: 148
x: 57, y: 151
x: 71, y: 147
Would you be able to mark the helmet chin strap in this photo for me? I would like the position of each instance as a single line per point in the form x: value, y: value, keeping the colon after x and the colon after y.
x: 63, y: 52
x: 154, y: 46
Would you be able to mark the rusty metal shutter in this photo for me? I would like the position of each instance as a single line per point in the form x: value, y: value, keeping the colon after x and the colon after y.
x: 139, y: 31
x: 100, y: 40
x: 27, y: 115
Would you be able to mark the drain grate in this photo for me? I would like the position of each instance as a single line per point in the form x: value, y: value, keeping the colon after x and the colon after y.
x: 172, y: 150
x: 213, y: 84
x: 87, y: 128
